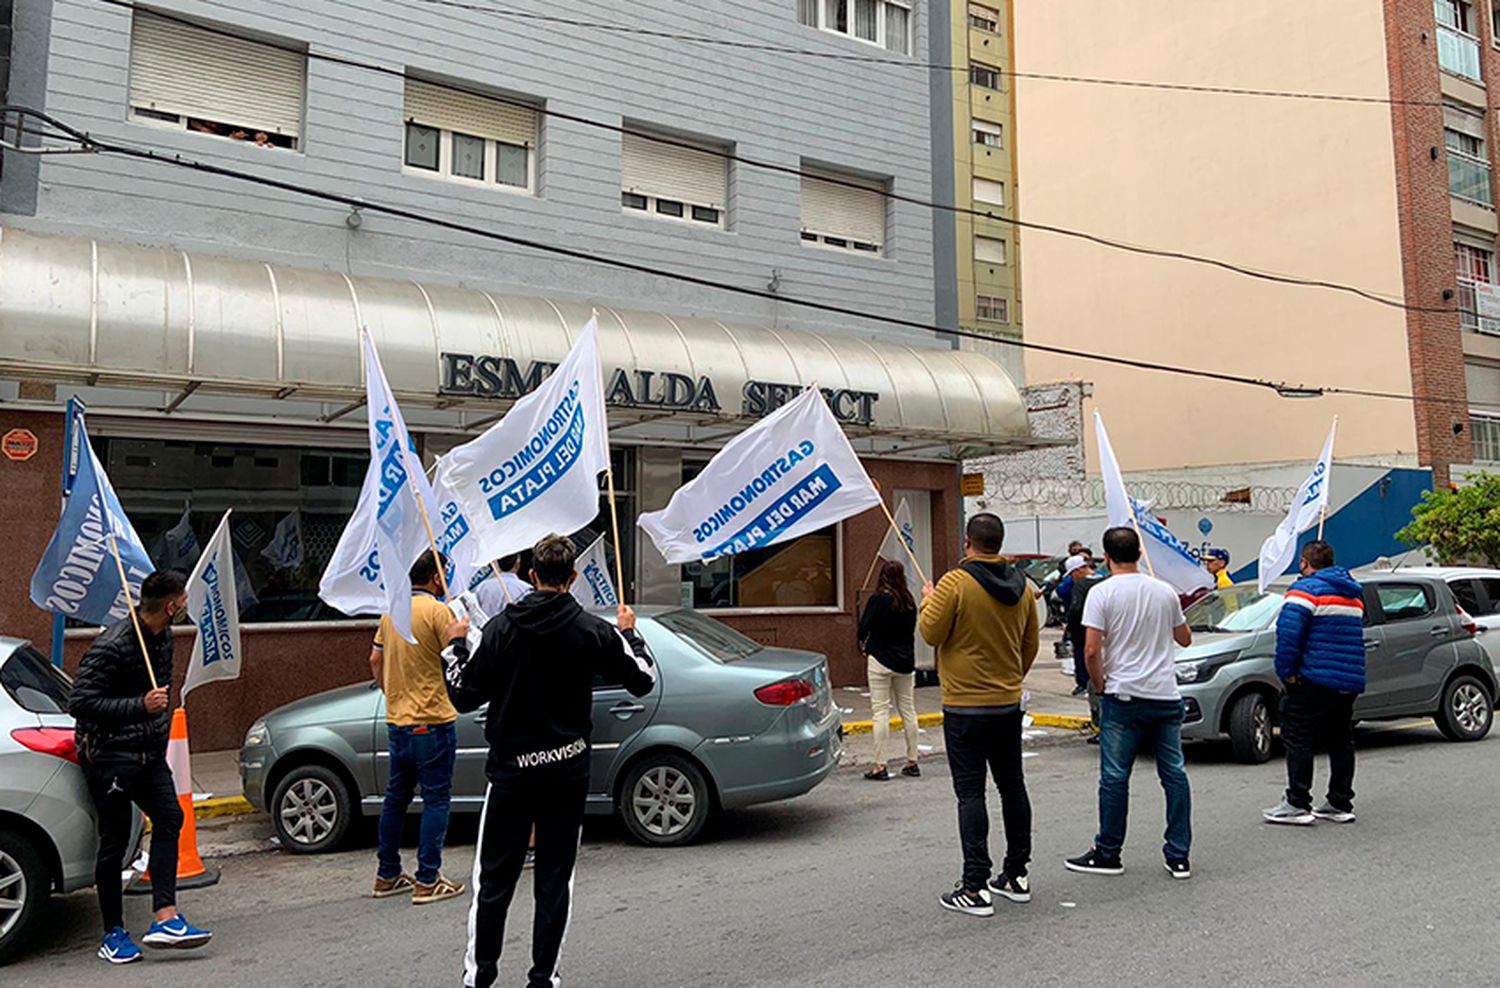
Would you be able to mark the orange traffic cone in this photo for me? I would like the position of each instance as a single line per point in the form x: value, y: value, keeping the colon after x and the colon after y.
x: 191, y: 872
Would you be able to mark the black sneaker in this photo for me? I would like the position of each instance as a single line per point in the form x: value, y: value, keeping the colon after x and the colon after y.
x: 1016, y: 888
x: 962, y: 900
x: 1080, y: 690
x: 1179, y: 868
x: 1096, y: 862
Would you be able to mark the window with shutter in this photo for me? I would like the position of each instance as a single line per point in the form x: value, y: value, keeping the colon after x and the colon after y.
x: 673, y: 177
x: 843, y: 211
x: 469, y: 136
x: 986, y: 190
x: 989, y: 250
x: 986, y: 133
x: 214, y: 83
x: 991, y: 308
x: 886, y: 23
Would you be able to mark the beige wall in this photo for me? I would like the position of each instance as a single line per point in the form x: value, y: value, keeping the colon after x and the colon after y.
x: 1288, y: 186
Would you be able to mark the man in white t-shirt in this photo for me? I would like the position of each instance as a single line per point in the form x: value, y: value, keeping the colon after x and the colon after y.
x: 1133, y: 624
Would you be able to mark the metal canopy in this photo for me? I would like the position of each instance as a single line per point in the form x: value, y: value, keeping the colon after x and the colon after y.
x: 284, y: 343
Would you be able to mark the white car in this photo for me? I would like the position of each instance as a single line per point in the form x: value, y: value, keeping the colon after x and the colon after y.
x: 1478, y: 593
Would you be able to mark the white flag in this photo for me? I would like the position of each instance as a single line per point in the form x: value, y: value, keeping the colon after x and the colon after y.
x: 1307, y: 507
x: 792, y: 473
x: 1167, y: 556
x: 892, y: 551
x: 351, y: 582
x: 285, y: 549
x: 180, y: 544
x: 594, y: 588
x: 213, y: 605
x: 536, y: 471
x: 457, y: 542
x: 400, y: 533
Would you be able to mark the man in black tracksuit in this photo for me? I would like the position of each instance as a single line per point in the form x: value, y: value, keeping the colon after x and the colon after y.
x: 535, y: 667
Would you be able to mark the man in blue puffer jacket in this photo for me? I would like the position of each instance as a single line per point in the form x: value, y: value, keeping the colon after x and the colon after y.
x: 1320, y: 658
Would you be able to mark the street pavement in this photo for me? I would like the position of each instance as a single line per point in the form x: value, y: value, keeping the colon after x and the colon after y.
x: 840, y: 888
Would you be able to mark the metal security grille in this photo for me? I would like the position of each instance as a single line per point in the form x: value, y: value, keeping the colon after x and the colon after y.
x: 466, y: 113
x: 191, y: 72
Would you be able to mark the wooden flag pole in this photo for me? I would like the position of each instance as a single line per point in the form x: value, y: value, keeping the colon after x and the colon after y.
x: 869, y: 573
x: 614, y: 524
x: 495, y: 568
x: 1323, y: 511
x: 135, y: 619
x: 437, y: 557
x: 902, y: 539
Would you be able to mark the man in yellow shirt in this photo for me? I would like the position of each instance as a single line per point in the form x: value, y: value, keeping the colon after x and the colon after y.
x: 1216, y: 561
x: 421, y: 738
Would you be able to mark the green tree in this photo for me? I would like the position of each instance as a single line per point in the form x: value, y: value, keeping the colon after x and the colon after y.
x: 1461, y: 525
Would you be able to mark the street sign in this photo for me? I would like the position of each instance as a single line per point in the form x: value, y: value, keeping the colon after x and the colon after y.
x: 972, y: 485
x: 19, y: 444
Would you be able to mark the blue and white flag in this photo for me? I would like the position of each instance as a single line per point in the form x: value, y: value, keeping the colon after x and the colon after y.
x: 536, y: 471
x: 213, y: 607
x: 351, y: 582
x: 594, y: 588
x: 457, y: 542
x: 77, y: 576
x: 792, y: 473
x: 1308, y: 506
x: 285, y: 550
x: 179, y: 544
x: 892, y: 550
x: 1167, y: 557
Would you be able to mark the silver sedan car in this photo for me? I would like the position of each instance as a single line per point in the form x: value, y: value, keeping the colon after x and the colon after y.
x: 48, y: 838
x: 730, y: 723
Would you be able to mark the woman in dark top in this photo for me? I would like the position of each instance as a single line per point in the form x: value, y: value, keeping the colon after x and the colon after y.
x: 887, y: 634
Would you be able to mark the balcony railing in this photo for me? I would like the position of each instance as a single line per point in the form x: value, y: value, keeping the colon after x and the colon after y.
x: 1469, y: 179
x: 1458, y: 52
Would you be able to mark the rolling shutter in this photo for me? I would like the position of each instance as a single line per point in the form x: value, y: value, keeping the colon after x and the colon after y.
x: 988, y: 250
x: 834, y: 209
x: 465, y: 113
x: 193, y: 72
x: 669, y: 171
x: 988, y: 190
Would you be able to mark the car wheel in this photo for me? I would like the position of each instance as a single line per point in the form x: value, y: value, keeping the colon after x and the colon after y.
x: 1250, y: 728
x: 1467, y: 711
x: 665, y: 800
x: 24, y: 887
x: 311, y: 809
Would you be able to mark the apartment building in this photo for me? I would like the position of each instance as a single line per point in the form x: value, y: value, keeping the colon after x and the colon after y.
x: 212, y: 326
x: 1391, y: 192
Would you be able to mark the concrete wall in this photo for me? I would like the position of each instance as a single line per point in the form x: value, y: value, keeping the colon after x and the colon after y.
x: 1298, y: 187
x: 870, y: 118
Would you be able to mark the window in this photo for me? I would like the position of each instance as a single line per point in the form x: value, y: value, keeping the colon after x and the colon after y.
x: 1486, y: 430
x: 1458, y: 48
x: 986, y: 133
x: 1475, y: 267
x: 1491, y: 595
x: 215, y: 84
x: 984, y: 18
x: 989, y: 250
x: 717, y: 640
x: 465, y: 136
x: 672, y: 177
x: 987, y: 190
x: 886, y: 23
x: 1404, y: 601
x: 843, y: 211
x: 1469, y: 596
x: 991, y: 308
x: 984, y: 75
x: 34, y: 683
x: 1468, y: 167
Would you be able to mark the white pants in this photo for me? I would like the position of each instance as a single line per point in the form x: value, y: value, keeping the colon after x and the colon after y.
x: 885, y: 686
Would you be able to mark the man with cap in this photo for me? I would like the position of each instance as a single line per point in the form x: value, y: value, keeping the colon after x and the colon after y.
x: 1217, y: 563
x: 1080, y: 575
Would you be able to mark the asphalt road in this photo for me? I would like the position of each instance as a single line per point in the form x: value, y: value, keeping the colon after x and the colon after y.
x: 840, y: 888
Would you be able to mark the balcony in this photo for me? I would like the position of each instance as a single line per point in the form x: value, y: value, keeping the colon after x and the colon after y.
x: 1469, y: 179
x: 1458, y: 53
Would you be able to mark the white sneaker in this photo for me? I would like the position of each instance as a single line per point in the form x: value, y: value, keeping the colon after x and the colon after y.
x: 1285, y: 813
x: 1327, y: 811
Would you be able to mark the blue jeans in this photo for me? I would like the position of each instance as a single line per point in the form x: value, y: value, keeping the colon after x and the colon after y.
x: 421, y: 754
x: 1125, y: 728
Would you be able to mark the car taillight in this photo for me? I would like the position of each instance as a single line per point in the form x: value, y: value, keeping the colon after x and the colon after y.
x: 56, y: 741
x: 1470, y: 626
x: 785, y: 693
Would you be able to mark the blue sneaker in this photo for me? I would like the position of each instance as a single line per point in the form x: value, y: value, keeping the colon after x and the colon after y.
x: 176, y: 933
x: 118, y: 948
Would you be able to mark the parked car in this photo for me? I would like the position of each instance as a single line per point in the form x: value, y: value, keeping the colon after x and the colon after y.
x: 730, y: 723
x: 1478, y: 593
x: 48, y: 837
x: 1422, y: 660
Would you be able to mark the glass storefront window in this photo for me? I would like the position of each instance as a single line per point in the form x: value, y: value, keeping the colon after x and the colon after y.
x: 799, y: 573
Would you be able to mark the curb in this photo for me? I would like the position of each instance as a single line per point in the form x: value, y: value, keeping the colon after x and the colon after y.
x: 1072, y: 722
x: 207, y: 809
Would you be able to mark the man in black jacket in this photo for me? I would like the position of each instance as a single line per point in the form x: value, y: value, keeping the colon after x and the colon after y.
x: 122, y: 727
x: 535, y: 667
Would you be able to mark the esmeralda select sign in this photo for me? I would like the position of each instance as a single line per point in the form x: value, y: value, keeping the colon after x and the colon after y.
x: 490, y: 376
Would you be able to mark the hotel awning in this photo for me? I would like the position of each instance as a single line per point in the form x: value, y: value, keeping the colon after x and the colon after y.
x: 199, y: 336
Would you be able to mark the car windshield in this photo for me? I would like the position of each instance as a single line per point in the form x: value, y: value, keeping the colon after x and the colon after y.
x: 1234, y: 609
x: 34, y: 683
x: 719, y: 641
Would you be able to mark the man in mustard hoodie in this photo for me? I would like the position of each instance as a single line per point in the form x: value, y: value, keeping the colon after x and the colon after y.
x: 982, y: 620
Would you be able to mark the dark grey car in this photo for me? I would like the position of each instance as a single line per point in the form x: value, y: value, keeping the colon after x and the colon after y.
x: 730, y: 723
x: 1422, y: 660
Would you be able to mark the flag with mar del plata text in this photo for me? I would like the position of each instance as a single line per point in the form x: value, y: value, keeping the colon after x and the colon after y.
x: 213, y: 607
x: 594, y: 588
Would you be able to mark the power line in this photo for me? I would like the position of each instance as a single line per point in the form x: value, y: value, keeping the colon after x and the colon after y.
x: 98, y: 146
x: 1094, y: 238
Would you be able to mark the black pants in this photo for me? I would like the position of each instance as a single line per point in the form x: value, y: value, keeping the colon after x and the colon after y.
x: 1080, y: 667
x: 977, y: 742
x: 1314, y: 716
x: 551, y: 797
x: 116, y: 783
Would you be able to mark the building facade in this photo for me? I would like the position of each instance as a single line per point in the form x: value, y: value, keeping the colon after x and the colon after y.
x: 212, y: 325
x: 1391, y: 192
